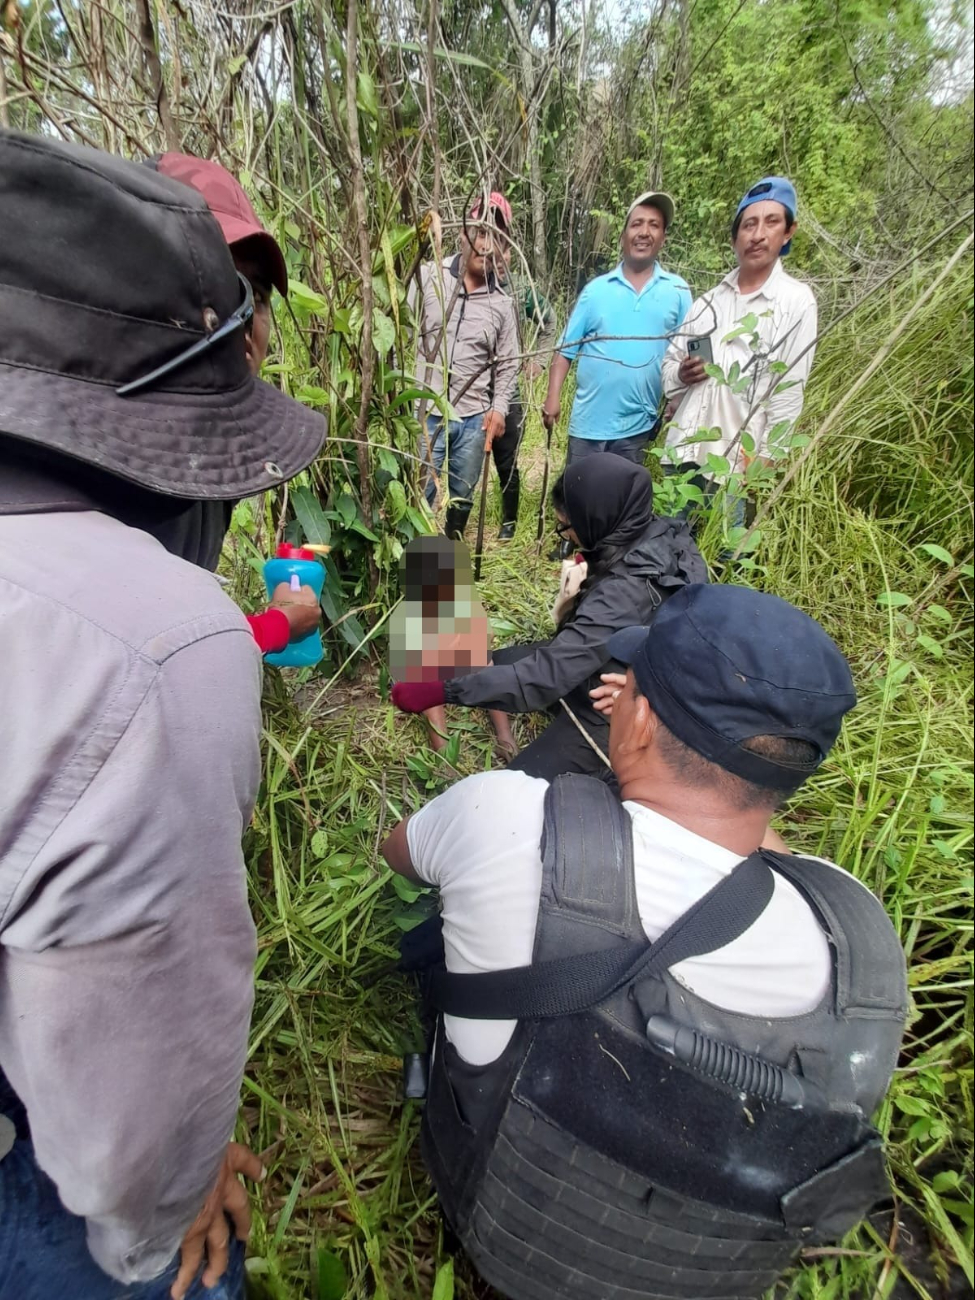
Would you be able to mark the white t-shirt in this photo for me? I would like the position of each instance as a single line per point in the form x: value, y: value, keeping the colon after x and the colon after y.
x: 478, y: 843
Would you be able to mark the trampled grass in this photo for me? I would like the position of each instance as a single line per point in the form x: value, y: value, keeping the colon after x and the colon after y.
x: 873, y: 537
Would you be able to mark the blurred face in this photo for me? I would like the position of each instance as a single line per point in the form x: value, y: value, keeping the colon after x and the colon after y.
x: 762, y: 234
x: 643, y: 237
x: 259, y: 328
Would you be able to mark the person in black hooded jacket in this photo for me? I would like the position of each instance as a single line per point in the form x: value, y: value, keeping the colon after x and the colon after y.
x: 635, y: 560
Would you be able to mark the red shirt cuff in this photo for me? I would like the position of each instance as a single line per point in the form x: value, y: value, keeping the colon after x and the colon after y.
x: 272, y: 631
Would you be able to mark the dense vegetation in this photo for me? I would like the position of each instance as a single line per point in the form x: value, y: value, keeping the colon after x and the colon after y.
x: 349, y: 120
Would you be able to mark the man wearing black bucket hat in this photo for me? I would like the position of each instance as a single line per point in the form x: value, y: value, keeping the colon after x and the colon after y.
x: 658, y: 1045
x: 130, y: 697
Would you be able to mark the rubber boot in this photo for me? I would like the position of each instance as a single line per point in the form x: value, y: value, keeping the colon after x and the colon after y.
x: 456, y: 522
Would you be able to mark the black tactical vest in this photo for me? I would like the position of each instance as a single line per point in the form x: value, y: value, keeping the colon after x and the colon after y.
x: 643, y: 1144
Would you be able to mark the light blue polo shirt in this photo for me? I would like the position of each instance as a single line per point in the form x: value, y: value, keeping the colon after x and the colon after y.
x: 618, y: 381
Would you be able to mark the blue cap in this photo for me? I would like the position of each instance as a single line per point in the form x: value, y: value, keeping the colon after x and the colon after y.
x: 722, y: 664
x: 778, y: 190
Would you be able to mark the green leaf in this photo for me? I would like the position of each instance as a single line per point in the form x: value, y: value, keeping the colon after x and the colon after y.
x: 365, y: 95
x: 336, y: 863
x: 899, y: 671
x: 346, y: 509
x: 911, y: 1105
x: 933, y: 647
x: 423, y: 524
x: 312, y: 396
x: 333, y: 1281
x: 454, y: 56
x: 717, y: 464
x: 443, y: 1287
x: 963, y: 1210
x: 383, y: 332
x: 311, y: 516
x: 778, y: 431
x: 938, y: 552
x: 342, y: 320
x: 388, y: 462
x: 400, y: 237
x: 319, y: 844
x: 736, y: 537
x: 704, y: 435
x: 407, y: 891
x: 357, y: 526
x: 940, y: 613
x: 407, y: 398
x: 305, y: 299
x: 893, y: 599
x: 395, y: 500
x: 746, y: 325
x: 715, y: 372
x: 346, y: 624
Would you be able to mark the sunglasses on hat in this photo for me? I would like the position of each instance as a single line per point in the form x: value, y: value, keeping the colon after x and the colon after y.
x: 238, y: 319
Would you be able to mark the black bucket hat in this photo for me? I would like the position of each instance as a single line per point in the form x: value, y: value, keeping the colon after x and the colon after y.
x: 109, y: 271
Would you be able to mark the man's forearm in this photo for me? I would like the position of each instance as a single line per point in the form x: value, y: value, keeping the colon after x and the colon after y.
x: 558, y: 371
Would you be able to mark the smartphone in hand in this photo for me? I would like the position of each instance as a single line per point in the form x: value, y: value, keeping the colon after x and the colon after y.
x: 700, y: 349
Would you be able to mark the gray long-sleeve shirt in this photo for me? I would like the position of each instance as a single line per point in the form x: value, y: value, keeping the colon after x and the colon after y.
x: 473, y: 359
x: 130, y: 708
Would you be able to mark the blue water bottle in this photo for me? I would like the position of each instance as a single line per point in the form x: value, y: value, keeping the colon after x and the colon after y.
x: 298, y: 566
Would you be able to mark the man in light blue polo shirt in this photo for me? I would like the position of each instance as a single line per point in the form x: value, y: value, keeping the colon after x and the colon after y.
x: 619, y: 330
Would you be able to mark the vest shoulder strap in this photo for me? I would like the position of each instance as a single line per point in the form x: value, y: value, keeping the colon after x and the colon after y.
x: 587, y: 869
x: 871, y: 972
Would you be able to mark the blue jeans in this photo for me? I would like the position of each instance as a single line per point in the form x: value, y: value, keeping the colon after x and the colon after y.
x: 461, y: 444
x: 43, y: 1253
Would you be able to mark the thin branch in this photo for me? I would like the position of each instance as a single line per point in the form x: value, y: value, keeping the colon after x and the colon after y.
x: 147, y: 35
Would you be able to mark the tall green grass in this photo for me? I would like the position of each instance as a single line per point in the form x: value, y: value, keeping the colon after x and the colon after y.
x: 873, y: 536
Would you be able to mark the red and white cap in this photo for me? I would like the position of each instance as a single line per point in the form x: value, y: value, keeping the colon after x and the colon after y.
x: 496, y: 203
x: 229, y: 204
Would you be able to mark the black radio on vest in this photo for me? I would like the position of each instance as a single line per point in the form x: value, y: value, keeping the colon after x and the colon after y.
x: 634, y: 1142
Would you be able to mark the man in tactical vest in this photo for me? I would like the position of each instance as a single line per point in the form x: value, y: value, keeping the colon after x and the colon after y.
x: 658, y: 1044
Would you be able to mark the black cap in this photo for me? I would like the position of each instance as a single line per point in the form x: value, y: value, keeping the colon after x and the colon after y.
x: 722, y: 664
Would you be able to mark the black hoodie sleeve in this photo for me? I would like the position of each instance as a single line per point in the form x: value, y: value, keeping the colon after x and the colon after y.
x: 569, y: 659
